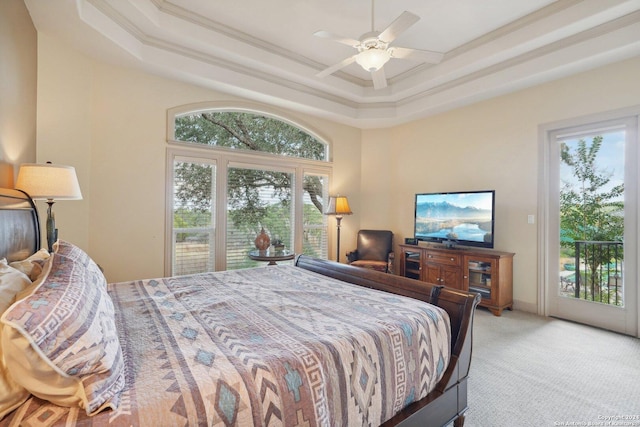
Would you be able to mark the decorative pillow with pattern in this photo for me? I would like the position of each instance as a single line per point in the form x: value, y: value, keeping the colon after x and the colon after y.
x: 60, y: 343
x: 73, y: 252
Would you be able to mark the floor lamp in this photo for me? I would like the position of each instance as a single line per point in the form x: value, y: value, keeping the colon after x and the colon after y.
x: 51, y: 183
x: 338, y: 206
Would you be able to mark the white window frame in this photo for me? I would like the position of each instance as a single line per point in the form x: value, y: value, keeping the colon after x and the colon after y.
x: 223, y: 158
x: 171, y: 232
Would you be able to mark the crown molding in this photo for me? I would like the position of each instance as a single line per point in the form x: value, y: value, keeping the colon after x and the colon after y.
x: 166, y: 38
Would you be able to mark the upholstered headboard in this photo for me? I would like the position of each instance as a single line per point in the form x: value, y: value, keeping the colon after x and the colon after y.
x: 19, y: 225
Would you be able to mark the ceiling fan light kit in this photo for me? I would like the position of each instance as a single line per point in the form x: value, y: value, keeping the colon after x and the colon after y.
x: 374, y: 51
x: 373, y: 59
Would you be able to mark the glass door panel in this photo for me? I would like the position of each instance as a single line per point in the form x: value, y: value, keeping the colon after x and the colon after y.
x: 592, y: 224
x: 256, y: 199
x: 193, y: 231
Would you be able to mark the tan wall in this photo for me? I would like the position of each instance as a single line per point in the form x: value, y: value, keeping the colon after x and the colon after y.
x: 494, y: 145
x: 377, y: 183
x: 110, y: 123
x: 18, y: 83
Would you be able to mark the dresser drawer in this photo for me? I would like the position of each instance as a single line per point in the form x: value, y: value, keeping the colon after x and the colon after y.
x: 443, y: 258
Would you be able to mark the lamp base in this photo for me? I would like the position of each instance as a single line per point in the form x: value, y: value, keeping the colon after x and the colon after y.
x: 52, y: 231
x: 338, y: 220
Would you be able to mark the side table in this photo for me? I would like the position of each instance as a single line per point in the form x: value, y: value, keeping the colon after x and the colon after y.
x: 271, y: 255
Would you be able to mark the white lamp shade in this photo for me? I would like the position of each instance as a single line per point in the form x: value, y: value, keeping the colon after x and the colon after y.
x: 49, y: 181
x: 373, y: 59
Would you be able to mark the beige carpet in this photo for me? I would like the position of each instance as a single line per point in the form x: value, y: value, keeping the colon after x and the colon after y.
x: 529, y: 370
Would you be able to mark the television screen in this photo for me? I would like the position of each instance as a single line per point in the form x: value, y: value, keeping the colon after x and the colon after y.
x: 465, y: 218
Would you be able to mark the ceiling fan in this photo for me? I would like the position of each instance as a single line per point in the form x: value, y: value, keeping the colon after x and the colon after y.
x: 374, y: 50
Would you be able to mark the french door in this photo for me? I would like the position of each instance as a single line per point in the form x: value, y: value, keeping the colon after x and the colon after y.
x: 590, y: 216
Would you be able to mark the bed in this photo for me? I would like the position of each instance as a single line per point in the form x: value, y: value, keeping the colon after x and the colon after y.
x: 318, y: 343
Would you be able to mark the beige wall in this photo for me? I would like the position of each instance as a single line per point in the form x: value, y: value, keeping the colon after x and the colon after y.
x: 110, y: 123
x: 18, y: 59
x: 377, y: 183
x: 494, y: 145
x: 65, y: 87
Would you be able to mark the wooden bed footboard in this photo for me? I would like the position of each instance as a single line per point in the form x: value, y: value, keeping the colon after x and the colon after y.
x: 448, y: 401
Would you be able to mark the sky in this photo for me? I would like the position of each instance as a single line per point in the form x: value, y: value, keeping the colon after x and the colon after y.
x: 610, y: 157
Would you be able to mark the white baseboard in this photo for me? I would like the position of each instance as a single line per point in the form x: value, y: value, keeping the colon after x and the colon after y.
x: 525, y: 306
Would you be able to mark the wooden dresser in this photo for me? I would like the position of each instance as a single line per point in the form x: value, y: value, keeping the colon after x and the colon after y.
x: 484, y: 271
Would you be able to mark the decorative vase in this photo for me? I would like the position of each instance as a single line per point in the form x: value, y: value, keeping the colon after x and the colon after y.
x: 262, y: 240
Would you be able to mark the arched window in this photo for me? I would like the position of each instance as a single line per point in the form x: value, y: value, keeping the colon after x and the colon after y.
x: 232, y: 173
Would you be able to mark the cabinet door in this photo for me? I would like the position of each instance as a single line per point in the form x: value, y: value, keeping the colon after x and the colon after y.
x: 451, y: 277
x: 411, y: 265
x: 481, y: 277
x: 432, y: 273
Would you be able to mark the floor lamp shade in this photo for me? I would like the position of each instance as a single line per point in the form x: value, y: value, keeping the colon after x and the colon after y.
x: 51, y: 183
x: 338, y: 206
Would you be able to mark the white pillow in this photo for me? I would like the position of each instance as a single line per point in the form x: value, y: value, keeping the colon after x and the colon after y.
x: 12, y: 281
x: 28, y: 267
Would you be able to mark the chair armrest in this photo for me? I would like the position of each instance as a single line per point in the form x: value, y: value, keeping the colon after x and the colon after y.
x: 391, y: 262
x: 352, y: 256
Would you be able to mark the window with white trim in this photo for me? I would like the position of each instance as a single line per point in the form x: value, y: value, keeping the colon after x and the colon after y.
x: 232, y: 173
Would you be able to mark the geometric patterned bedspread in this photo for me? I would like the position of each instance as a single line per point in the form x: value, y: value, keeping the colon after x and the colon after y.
x: 274, y: 346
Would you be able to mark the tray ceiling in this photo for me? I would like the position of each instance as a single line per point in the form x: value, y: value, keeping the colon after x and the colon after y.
x: 265, y: 51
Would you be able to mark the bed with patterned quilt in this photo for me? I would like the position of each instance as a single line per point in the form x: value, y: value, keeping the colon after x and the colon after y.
x: 315, y: 344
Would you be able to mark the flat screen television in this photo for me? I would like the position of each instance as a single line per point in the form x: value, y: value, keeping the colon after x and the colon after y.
x: 456, y: 218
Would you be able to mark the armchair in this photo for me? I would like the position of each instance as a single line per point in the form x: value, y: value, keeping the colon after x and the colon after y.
x: 374, y: 250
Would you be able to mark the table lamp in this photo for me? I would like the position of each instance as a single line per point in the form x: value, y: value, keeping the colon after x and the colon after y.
x: 49, y: 182
x: 338, y: 206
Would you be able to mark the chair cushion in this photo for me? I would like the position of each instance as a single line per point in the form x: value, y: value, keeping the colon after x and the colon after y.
x: 373, y: 265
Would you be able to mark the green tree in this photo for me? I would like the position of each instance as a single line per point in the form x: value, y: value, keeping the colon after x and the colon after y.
x: 590, y: 208
x: 245, y: 131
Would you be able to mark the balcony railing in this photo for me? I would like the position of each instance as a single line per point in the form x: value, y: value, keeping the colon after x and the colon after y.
x: 597, y: 273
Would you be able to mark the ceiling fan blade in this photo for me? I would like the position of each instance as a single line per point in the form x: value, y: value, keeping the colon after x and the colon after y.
x: 336, y: 38
x: 402, y: 22
x: 416, y: 54
x: 336, y: 67
x: 379, y: 79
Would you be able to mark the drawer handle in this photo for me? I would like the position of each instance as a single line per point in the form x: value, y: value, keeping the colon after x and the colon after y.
x: 451, y: 259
